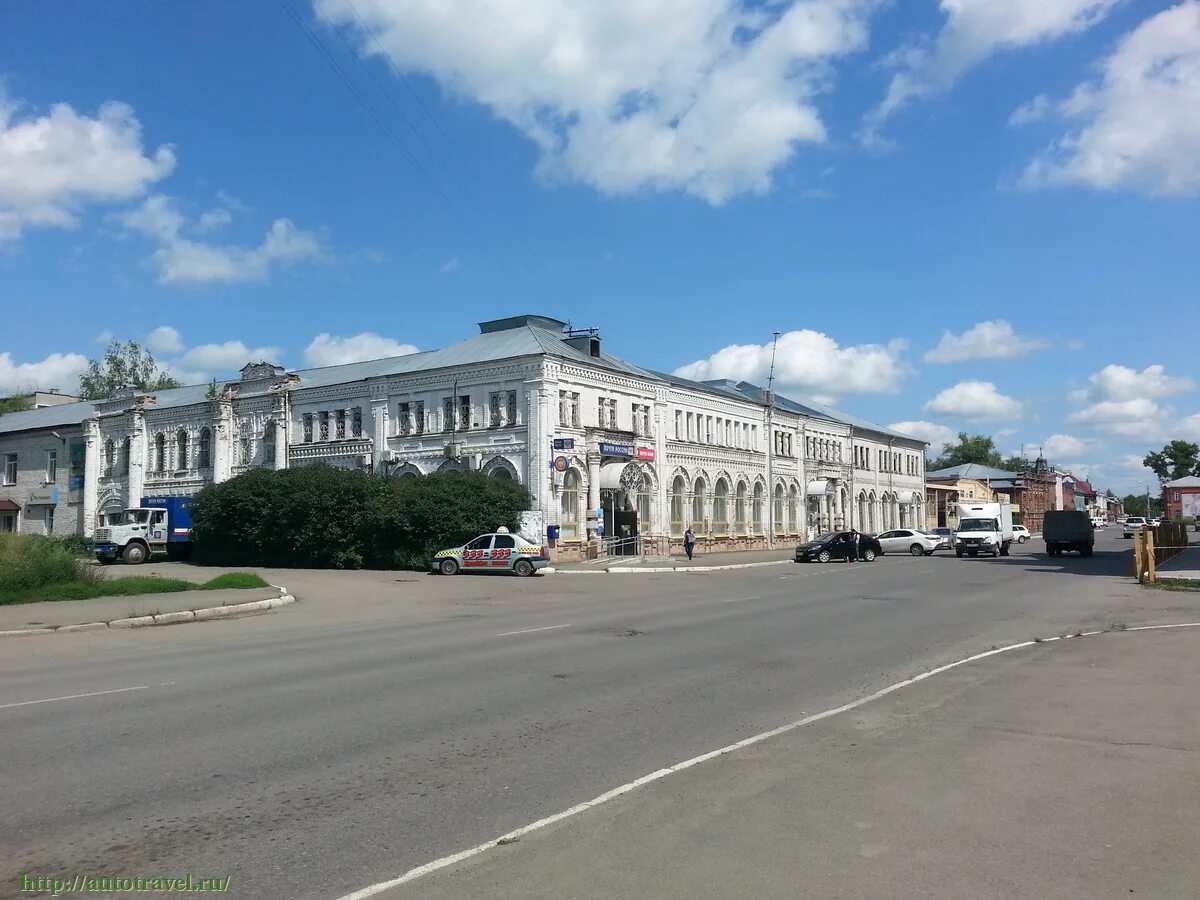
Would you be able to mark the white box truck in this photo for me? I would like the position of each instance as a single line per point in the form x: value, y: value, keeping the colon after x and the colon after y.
x: 983, y: 528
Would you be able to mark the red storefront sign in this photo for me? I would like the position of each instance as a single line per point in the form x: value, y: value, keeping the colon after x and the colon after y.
x: 646, y: 454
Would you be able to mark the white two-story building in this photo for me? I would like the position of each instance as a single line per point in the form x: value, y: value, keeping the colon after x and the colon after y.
x: 604, y: 447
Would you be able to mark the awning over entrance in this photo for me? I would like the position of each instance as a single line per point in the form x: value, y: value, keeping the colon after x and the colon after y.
x: 820, y: 488
x: 610, y: 476
x: 9, y: 506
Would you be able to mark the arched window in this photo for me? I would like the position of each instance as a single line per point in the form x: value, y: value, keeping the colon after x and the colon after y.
x: 780, y: 521
x: 501, y: 472
x: 698, y: 504
x: 269, y: 433
x: 758, y: 511
x: 181, y: 449
x: 739, y: 509
x: 793, y: 509
x: 160, y: 452
x: 110, y: 451
x: 720, y: 512
x: 568, y: 519
x: 677, y: 489
x: 645, y: 506
x: 204, y: 457
x: 126, y: 448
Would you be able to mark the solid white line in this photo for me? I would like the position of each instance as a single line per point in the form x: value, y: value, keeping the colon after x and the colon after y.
x: 445, y: 861
x: 140, y: 687
x: 532, y: 630
x: 738, y: 599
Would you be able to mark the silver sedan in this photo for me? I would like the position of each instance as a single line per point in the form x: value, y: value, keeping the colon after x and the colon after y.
x: 905, y: 540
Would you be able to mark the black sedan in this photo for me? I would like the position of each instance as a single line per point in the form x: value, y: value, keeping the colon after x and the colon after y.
x: 838, y: 545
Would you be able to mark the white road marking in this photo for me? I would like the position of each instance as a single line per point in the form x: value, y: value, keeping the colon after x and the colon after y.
x: 738, y: 599
x: 532, y: 630
x: 140, y: 687
x: 445, y: 861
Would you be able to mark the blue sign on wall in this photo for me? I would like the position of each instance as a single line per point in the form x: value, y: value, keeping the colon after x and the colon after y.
x: 616, y: 450
x: 563, y: 443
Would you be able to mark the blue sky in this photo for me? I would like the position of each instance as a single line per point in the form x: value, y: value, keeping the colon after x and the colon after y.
x: 865, y: 177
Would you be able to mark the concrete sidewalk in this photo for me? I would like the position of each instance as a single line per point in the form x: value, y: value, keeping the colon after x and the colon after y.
x: 104, y: 609
x: 1184, y: 565
x: 715, y: 561
x: 1067, y: 770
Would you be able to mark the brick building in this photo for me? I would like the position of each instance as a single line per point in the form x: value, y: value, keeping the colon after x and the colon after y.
x: 1181, y: 498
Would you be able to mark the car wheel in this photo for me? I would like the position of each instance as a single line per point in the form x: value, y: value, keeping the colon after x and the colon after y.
x: 523, y: 567
x: 996, y: 553
x: 448, y: 567
x: 868, y: 555
x: 958, y: 553
x: 824, y: 556
x: 1022, y: 539
x: 917, y: 550
x: 134, y: 555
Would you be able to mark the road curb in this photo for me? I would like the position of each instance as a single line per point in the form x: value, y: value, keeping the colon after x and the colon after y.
x: 228, y: 611
x: 672, y: 570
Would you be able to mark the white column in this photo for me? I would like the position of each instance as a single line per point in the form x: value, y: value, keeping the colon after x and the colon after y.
x: 91, y: 474
x: 138, y: 451
x: 838, y: 511
x: 379, y: 433
x: 222, y: 446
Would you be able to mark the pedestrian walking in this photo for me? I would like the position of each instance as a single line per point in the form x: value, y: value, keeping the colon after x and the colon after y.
x: 855, y: 544
x: 689, y: 542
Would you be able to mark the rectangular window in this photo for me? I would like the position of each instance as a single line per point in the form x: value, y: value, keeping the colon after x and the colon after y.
x: 708, y: 429
x: 512, y: 408
x: 464, y: 412
x: 562, y: 408
x: 356, y: 421
x: 10, y: 468
x: 405, y: 419
x: 753, y: 437
x: 568, y: 409
x: 678, y: 425
x: 340, y: 418
x: 51, y: 466
x: 447, y: 414
x: 247, y: 451
x: 494, y: 409
x: 419, y: 418
x: 323, y: 423
x: 49, y: 520
x: 308, y: 428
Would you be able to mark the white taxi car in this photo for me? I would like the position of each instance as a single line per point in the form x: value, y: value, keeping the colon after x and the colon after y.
x: 500, y: 551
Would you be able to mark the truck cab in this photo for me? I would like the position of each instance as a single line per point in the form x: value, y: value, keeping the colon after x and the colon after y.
x: 159, y: 525
x: 983, y: 528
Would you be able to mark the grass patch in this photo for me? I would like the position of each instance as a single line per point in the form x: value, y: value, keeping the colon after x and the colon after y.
x: 131, y: 586
x: 1186, y: 585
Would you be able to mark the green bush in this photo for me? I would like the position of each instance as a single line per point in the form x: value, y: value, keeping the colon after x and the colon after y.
x: 239, y: 580
x: 328, y: 518
x: 29, y: 561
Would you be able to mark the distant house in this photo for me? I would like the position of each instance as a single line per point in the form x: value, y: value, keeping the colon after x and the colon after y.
x: 1181, y: 498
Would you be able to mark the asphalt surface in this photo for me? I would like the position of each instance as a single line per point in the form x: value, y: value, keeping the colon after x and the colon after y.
x: 388, y: 719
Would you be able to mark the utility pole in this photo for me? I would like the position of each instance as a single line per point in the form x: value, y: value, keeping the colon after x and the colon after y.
x: 769, y: 500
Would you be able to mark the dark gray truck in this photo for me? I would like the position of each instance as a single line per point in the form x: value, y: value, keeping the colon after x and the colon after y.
x: 1068, y: 529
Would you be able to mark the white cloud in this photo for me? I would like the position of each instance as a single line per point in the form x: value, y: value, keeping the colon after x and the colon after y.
x: 164, y: 339
x: 1189, y: 428
x: 213, y: 220
x: 58, y: 370
x: 1136, y: 418
x: 974, y: 30
x: 1036, y: 110
x: 708, y: 97
x: 986, y: 340
x: 810, y: 361
x: 1060, y: 446
x: 1142, y: 130
x: 226, y: 357
x: 1123, y: 383
x: 105, y: 336
x: 327, y: 350
x: 184, y: 260
x: 974, y: 401
x: 54, y: 165
x: 936, y: 435
x: 450, y: 265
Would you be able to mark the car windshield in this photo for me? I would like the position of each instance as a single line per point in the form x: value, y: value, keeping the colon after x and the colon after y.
x: 977, y: 525
x: 135, y: 516
x: 828, y: 536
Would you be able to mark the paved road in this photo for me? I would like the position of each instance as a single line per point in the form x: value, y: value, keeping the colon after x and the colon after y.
x: 389, y: 719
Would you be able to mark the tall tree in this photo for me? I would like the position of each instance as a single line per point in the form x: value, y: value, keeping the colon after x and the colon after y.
x: 15, y: 403
x: 1177, y: 459
x: 970, y: 448
x: 1136, y: 505
x: 123, y: 365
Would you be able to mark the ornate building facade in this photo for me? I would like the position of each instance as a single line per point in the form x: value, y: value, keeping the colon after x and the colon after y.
x: 589, y: 434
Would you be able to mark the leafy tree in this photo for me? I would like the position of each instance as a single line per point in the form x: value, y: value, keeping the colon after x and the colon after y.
x: 1135, y: 505
x: 1177, y: 459
x: 1014, y: 464
x: 15, y: 403
x: 970, y: 448
x: 124, y: 365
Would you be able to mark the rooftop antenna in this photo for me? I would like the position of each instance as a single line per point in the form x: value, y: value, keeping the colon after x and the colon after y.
x: 771, y: 374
